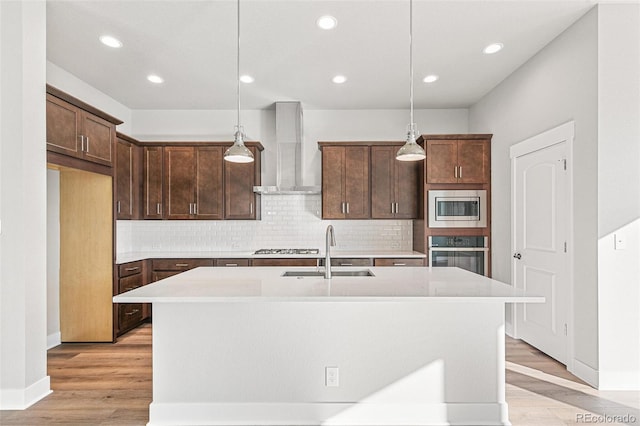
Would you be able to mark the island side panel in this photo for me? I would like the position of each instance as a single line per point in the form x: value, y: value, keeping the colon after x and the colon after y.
x: 399, y: 363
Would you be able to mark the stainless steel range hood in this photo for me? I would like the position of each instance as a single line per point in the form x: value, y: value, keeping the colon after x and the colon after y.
x: 289, y: 153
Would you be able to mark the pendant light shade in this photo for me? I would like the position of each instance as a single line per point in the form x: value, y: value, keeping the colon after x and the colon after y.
x: 411, y: 151
x: 238, y: 152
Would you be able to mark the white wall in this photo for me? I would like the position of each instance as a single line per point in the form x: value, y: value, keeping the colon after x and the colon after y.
x: 619, y: 195
x: 555, y: 86
x: 588, y: 74
x: 53, y: 258
x: 23, y: 308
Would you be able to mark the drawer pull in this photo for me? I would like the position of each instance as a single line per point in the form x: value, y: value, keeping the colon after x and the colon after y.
x: 399, y: 264
x: 134, y: 268
x: 345, y: 264
x: 182, y: 265
x: 230, y: 264
x: 135, y: 311
x: 132, y: 288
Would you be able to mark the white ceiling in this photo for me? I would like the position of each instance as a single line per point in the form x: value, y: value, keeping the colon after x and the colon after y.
x: 192, y: 45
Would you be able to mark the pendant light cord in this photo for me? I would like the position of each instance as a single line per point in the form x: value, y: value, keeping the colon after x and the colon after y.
x: 238, y: 64
x: 411, y: 58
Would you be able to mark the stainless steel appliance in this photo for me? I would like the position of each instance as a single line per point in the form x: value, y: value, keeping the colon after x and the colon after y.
x: 457, y: 208
x: 287, y: 251
x: 470, y: 253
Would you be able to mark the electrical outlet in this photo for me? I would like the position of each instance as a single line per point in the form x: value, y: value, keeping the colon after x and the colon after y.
x: 332, y: 376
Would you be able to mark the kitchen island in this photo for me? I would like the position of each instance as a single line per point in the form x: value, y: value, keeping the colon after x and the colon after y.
x: 408, y: 346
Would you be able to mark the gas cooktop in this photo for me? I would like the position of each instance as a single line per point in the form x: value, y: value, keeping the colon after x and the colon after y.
x: 287, y: 251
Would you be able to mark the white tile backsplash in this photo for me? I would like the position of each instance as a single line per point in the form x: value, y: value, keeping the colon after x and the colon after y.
x: 288, y: 221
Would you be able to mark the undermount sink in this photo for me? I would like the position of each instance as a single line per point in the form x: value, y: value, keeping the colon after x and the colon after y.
x: 359, y: 273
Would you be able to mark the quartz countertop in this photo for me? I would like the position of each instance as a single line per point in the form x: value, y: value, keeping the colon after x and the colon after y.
x: 266, y: 284
x: 132, y: 257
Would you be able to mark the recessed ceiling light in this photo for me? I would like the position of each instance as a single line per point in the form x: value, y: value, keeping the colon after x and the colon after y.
x: 339, y: 79
x: 155, y: 79
x: 327, y: 22
x: 430, y: 78
x: 110, y: 41
x: 246, y: 79
x: 493, y: 48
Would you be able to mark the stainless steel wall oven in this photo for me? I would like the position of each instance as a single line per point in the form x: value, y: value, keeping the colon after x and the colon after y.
x: 470, y: 253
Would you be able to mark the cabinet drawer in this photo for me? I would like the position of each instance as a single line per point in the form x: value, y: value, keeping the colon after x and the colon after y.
x: 129, y: 314
x: 131, y: 268
x: 399, y: 262
x: 284, y: 262
x: 359, y: 261
x: 232, y: 262
x: 130, y: 282
x: 160, y: 275
x: 179, y: 264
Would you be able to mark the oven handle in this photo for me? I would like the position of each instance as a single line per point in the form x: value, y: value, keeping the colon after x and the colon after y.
x: 459, y: 248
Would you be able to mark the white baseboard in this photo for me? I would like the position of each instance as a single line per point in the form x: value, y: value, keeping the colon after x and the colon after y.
x: 327, y: 414
x: 584, y: 372
x: 21, y: 399
x: 53, y: 340
x: 619, y: 380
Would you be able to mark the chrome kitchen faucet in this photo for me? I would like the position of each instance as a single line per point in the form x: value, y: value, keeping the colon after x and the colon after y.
x: 330, y: 241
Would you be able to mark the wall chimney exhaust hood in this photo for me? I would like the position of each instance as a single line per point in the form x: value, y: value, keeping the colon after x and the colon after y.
x: 289, y: 155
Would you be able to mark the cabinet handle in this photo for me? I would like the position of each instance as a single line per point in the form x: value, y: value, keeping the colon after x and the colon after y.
x: 158, y: 208
x: 250, y: 208
x: 455, y: 172
x: 397, y: 208
x: 460, y: 172
x: 399, y: 264
x: 190, y: 208
x: 135, y: 311
x: 195, y: 208
x: 81, y: 143
x: 347, y: 207
x: 342, y: 207
x: 345, y: 264
x: 118, y: 206
x: 230, y: 264
x: 135, y: 268
x: 182, y: 265
x: 393, y: 207
x: 87, y: 144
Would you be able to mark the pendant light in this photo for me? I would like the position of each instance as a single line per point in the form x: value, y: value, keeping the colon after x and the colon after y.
x: 238, y: 152
x: 411, y: 151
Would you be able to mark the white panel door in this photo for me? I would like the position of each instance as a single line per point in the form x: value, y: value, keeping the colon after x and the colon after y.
x: 540, y: 261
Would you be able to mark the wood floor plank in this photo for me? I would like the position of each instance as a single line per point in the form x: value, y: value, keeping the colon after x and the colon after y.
x: 111, y: 384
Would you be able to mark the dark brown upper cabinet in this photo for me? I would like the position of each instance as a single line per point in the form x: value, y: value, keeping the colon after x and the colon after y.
x: 394, y: 185
x: 193, y: 182
x: 458, y: 161
x: 345, y: 182
x: 240, y: 201
x: 127, y: 177
x: 77, y: 130
x: 152, y: 187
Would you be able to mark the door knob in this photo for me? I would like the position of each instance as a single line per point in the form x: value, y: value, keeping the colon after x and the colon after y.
x: 517, y: 256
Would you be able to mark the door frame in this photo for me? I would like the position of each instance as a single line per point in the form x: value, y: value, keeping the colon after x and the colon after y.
x: 563, y: 133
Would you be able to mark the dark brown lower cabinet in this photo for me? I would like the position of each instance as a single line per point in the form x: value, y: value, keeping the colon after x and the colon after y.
x: 129, y: 315
x: 164, y: 268
x: 284, y: 262
x: 411, y: 261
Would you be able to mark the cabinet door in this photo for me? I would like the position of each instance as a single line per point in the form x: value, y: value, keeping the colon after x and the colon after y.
x: 239, y: 180
x: 179, y: 175
x: 407, y: 187
x: 208, y: 185
x: 99, y: 136
x: 63, y: 121
x: 383, y: 181
x: 153, y: 182
x: 356, y: 186
x: 442, y: 160
x: 333, y: 160
x: 124, y: 179
x: 473, y: 161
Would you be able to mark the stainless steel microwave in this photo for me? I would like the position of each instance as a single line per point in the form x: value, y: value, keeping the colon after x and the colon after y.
x: 457, y: 209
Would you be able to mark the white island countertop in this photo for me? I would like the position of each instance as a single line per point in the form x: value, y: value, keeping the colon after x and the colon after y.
x: 266, y: 284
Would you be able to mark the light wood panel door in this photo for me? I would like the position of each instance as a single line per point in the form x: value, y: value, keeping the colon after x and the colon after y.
x: 86, y: 256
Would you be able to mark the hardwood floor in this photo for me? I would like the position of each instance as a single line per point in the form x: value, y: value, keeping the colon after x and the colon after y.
x: 105, y: 384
